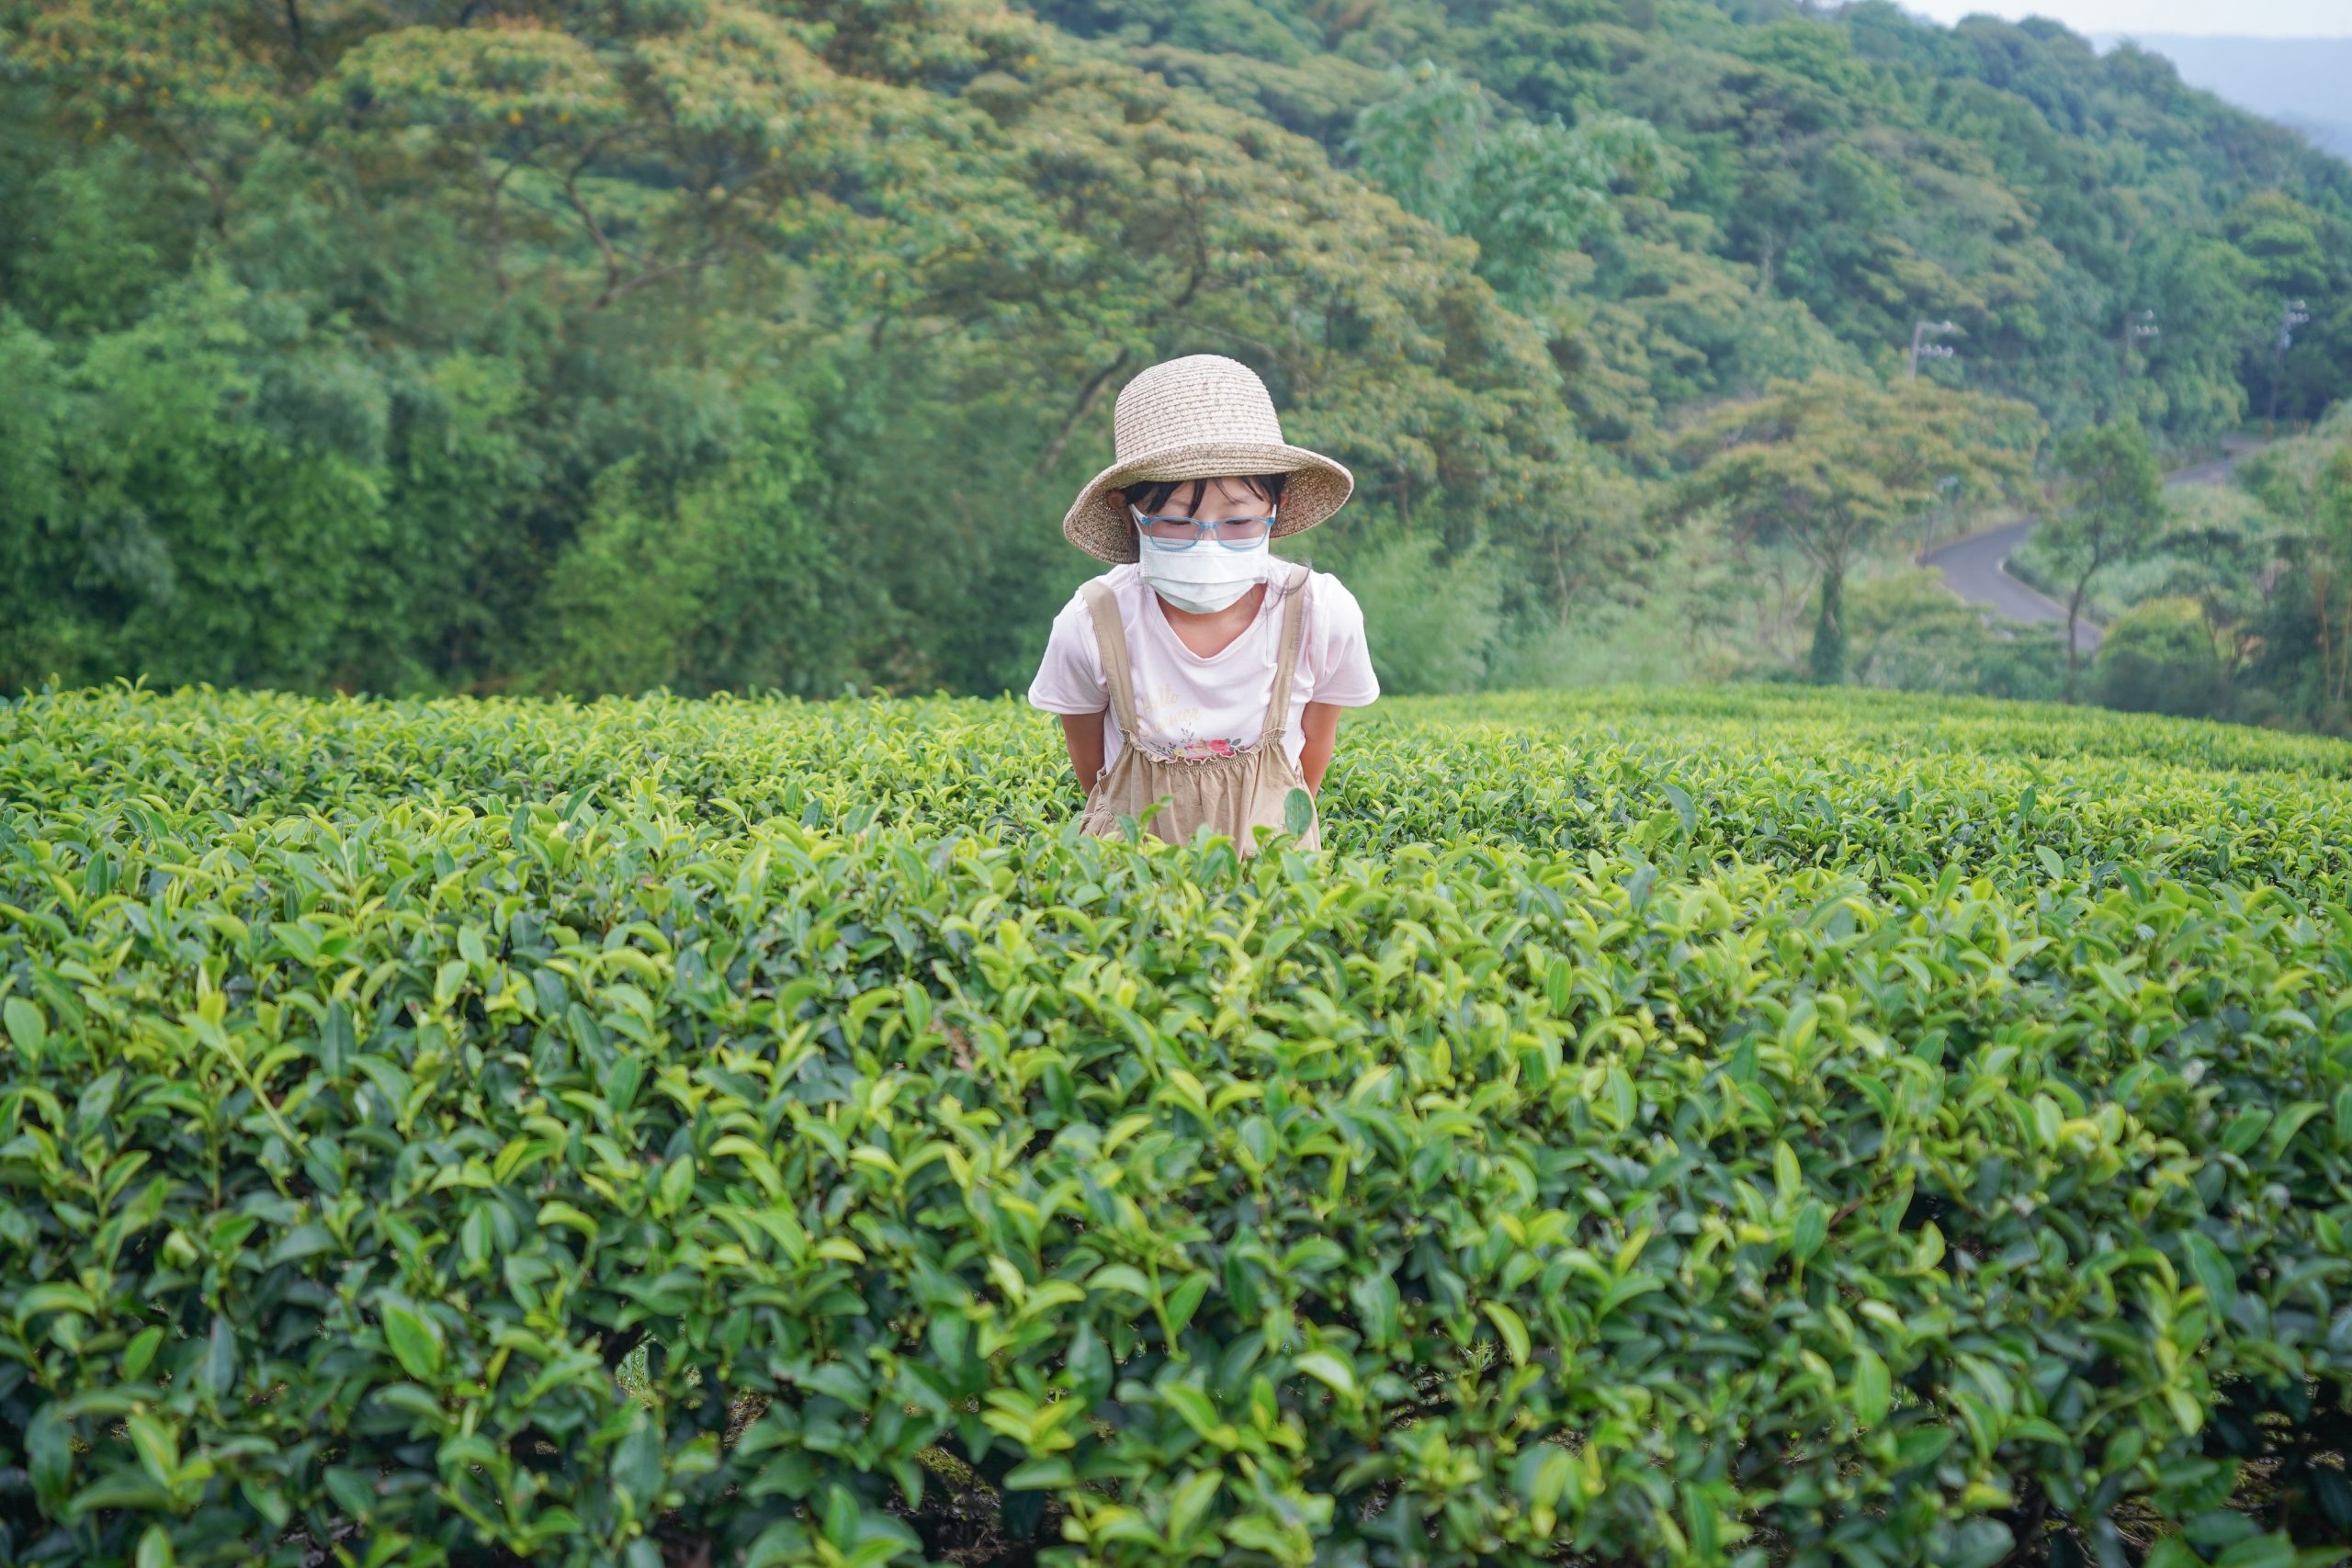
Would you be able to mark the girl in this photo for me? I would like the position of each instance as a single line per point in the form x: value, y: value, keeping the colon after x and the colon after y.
x: 1202, y: 672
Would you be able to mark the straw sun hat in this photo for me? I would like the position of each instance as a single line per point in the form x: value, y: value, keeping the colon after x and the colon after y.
x: 1202, y: 417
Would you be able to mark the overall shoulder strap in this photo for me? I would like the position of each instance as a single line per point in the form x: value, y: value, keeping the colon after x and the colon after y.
x: 1111, y: 637
x: 1286, y: 662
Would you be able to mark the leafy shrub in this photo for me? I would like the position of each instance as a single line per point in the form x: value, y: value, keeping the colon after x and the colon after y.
x: 1715, y: 1127
x: 1909, y: 633
x: 1608, y: 644
x: 2158, y: 657
x: 1433, y: 621
x: 733, y: 584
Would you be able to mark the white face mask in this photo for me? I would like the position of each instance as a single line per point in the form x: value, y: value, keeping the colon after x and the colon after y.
x: 1206, y: 578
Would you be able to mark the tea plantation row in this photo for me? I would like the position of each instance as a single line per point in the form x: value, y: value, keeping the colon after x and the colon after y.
x: 1664, y: 1128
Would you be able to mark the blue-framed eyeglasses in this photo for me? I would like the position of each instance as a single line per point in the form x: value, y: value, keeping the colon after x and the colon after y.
x: 1183, y: 533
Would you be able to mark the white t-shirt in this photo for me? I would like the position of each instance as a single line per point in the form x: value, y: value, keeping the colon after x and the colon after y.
x: 1190, y: 706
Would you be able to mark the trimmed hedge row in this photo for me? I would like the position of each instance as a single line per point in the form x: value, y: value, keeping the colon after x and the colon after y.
x: 1874, y: 782
x: 1621, y: 1194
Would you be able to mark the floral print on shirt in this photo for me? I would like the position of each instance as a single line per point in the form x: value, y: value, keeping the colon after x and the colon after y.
x: 1171, y: 720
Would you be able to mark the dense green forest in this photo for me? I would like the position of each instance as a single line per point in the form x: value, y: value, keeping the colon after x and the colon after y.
x: 512, y: 344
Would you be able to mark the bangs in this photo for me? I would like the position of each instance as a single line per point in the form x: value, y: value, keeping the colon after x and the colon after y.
x: 1152, y: 496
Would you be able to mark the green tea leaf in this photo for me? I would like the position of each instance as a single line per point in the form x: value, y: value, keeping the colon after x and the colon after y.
x: 1298, y: 812
x: 1811, y: 1229
x: 2210, y: 1271
x: 1680, y: 799
x: 2273, y: 1551
x: 1978, y: 1543
x: 140, y: 1354
x: 1185, y: 1300
x: 1375, y: 1300
x: 636, y: 1468
x: 1509, y: 1325
x: 217, y: 1372
x: 27, y: 1030
x: 1873, y: 1388
x: 415, y: 1340
x: 1329, y: 1369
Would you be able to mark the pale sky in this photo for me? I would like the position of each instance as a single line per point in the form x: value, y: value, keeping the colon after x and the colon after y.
x: 2244, y: 18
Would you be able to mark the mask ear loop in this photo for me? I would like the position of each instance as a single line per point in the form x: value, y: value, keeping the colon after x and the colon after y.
x: 1296, y: 580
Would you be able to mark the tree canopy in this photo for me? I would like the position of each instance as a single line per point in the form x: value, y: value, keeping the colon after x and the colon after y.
x: 2110, y: 507
x: 528, y: 345
x: 1831, y: 463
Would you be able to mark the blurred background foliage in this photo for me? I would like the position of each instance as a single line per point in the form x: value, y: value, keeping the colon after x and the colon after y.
x: 516, y: 345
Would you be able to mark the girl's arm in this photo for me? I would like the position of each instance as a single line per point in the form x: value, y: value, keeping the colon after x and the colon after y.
x: 1083, y: 733
x: 1320, y: 721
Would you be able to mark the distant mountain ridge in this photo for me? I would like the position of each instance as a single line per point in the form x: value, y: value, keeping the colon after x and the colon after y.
x: 2305, y: 83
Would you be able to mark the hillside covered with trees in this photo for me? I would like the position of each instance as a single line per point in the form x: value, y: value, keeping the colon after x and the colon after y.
x: 512, y: 344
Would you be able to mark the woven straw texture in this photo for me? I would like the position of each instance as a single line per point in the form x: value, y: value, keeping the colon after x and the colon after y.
x: 1202, y: 417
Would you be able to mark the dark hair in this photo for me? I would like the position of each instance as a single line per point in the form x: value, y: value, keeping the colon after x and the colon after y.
x: 1150, y: 495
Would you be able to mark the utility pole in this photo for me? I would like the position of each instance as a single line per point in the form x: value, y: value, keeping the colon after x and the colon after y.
x: 2138, y: 327
x: 1933, y: 517
x: 2296, y: 313
x: 1921, y: 348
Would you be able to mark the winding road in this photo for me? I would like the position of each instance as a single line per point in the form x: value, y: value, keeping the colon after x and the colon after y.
x: 1976, y: 566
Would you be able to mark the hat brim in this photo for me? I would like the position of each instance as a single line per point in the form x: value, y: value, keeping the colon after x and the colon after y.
x: 1097, y: 522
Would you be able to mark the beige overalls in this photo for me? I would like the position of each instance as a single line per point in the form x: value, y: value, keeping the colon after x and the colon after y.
x: 1231, y: 794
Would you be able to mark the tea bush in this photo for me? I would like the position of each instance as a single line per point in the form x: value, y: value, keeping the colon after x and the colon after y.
x: 1726, y: 1127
